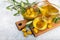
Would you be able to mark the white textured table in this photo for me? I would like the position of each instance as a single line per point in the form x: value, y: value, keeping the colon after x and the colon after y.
x: 9, y: 31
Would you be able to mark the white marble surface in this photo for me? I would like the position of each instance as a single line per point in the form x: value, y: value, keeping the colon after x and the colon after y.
x: 9, y: 31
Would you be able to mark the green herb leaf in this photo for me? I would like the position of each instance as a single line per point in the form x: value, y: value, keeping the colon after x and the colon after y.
x: 56, y: 19
x: 13, y: 0
x: 33, y: 3
x: 23, y: 10
x: 22, y: 4
x: 27, y: 1
x: 9, y: 7
x: 15, y: 14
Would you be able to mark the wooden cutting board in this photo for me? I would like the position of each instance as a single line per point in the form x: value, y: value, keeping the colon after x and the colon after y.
x: 21, y: 24
x: 40, y: 32
x: 48, y: 29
